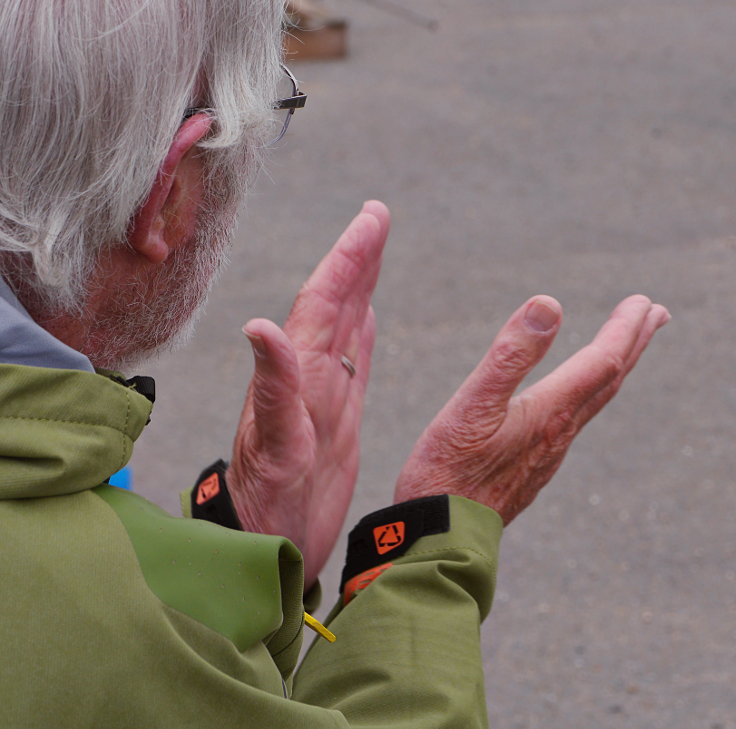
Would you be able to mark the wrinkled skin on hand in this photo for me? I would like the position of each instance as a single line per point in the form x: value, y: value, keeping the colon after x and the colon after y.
x: 296, y: 451
x: 499, y: 449
x: 295, y: 455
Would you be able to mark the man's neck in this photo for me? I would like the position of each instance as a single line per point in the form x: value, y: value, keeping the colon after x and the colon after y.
x: 24, y: 342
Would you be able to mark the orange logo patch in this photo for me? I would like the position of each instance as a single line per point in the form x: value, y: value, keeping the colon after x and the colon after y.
x: 389, y: 536
x: 208, y: 489
x: 361, y: 581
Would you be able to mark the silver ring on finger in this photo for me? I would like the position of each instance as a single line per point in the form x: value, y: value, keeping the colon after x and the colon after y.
x: 348, y: 365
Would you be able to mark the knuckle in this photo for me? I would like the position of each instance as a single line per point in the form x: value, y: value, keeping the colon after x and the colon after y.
x: 468, y: 444
x: 560, y: 430
x: 353, y: 259
x: 301, y: 300
x: 612, y: 366
x: 268, y: 396
x: 509, y: 357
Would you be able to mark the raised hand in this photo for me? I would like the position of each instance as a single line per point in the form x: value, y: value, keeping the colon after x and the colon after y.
x: 295, y: 456
x: 499, y: 449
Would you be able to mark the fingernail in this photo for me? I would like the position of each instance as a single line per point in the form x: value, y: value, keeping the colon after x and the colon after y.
x: 256, y: 343
x: 541, y: 317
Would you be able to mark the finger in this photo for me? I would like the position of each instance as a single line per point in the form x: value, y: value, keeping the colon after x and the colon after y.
x: 519, y: 346
x: 351, y: 331
x: 364, y: 320
x: 365, y: 350
x: 658, y: 316
x: 277, y: 406
x: 350, y: 278
x: 336, y: 296
x: 380, y: 212
x: 579, y: 379
x: 348, y: 390
x: 352, y: 263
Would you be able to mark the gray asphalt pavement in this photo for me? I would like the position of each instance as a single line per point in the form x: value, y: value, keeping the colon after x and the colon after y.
x: 581, y: 148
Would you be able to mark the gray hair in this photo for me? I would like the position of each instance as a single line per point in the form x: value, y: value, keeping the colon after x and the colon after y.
x: 91, y: 95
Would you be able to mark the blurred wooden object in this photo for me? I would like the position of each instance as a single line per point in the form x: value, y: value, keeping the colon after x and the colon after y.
x: 312, y: 33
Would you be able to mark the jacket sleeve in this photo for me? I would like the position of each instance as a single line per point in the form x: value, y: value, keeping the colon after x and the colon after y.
x: 407, y: 654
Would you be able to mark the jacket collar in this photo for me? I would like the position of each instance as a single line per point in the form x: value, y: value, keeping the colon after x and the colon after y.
x: 63, y: 431
x: 63, y: 428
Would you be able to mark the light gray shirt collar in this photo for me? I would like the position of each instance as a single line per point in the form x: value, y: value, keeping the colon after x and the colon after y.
x: 23, y: 342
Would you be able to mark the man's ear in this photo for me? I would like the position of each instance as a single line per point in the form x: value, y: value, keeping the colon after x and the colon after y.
x: 168, y: 215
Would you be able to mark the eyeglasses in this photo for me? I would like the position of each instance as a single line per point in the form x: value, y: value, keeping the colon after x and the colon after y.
x: 287, y: 104
x: 289, y: 100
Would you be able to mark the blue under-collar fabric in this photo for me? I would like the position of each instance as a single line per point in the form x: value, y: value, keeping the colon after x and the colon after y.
x: 23, y: 342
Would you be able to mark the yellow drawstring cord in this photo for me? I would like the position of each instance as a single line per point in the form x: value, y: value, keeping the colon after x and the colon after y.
x: 317, y: 627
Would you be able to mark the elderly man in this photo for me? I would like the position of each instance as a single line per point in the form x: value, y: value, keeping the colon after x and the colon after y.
x: 130, y: 130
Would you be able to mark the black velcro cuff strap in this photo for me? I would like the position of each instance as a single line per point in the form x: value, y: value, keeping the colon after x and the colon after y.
x: 210, y: 498
x: 389, y: 533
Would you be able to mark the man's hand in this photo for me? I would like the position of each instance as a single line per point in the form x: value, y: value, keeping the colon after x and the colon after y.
x: 500, y: 450
x: 295, y: 456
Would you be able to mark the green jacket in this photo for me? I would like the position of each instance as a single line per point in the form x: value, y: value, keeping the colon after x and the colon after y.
x: 116, y: 615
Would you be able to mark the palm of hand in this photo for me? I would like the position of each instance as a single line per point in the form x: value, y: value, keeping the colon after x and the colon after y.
x: 296, y: 452
x: 502, y: 462
x: 501, y: 450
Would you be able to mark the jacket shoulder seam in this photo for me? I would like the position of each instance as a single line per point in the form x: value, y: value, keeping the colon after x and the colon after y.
x: 70, y: 422
x: 124, y: 432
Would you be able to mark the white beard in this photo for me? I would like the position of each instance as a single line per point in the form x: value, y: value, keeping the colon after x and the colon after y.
x: 160, y: 314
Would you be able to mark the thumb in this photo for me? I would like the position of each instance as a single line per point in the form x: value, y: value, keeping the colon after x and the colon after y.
x: 517, y: 349
x: 275, y: 386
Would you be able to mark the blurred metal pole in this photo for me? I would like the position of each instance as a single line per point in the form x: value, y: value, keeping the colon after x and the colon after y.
x: 390, y: 6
